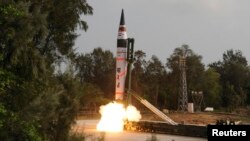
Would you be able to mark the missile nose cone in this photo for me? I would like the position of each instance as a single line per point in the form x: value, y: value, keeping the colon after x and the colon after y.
x: 122, y: 21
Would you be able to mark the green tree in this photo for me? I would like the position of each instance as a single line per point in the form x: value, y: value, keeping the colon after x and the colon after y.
x: 212, y: 88
x: 234, y: 73
x: 98, y: 68
x: 84, y: 64
x: 138, y: 71
x: 93, y: 97
x: 194, y: 72
x: 62, y: 25
x: 154, y: 74
x: 34, y: 38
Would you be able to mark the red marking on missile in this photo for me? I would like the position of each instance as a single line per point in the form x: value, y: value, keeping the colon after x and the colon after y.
x: 120, y: 59
x: 122, y: 29
x: 122, y: 73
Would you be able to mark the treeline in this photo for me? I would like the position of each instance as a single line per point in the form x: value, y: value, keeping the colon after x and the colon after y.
x: 37, y: 102
x: 225, y: 84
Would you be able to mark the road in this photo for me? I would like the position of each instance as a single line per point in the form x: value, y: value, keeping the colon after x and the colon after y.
x: 88, y: 128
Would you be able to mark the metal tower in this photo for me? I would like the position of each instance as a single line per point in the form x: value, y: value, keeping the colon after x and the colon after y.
x: 183, y: 97
x: 197, y: 97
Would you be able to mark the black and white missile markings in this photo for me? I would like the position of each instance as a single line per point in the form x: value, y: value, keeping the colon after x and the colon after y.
x: 121, y: 60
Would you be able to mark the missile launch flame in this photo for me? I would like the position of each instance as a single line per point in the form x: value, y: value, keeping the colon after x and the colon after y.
x: 113, y: 116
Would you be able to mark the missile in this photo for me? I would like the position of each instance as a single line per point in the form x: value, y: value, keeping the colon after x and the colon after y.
x: 121, y: 60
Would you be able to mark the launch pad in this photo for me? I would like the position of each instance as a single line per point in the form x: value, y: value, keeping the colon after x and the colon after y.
x: 165, y: 128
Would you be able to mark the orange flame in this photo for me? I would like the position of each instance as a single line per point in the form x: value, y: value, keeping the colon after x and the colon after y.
x: 113, y: 117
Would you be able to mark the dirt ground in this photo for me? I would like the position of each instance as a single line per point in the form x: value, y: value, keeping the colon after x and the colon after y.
x: 241, y: 116
x: 203, y: 118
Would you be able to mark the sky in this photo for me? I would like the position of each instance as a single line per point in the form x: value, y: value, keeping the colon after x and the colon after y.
x: 209, y: 27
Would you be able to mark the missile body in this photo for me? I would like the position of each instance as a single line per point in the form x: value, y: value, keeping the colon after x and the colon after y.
x: 121, y: 62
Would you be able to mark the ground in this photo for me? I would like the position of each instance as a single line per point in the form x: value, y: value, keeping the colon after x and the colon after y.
x: 205, y: 118
x: 201, y: 118
x: 87, y: 127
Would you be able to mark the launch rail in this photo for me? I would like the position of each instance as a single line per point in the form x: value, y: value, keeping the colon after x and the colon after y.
x: 153, y: 108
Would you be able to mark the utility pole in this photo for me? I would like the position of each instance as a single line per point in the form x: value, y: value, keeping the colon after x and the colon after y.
x: 183, y: 97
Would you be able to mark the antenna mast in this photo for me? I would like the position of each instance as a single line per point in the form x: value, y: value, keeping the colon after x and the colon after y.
x: 183, y: 97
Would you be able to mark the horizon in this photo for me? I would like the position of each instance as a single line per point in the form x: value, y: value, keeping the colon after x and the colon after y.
x: 209, y: 27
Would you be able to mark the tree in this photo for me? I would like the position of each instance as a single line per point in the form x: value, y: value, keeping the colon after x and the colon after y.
x: 154, y: 72
x: 98, y: 68
x: 138, y: 71
x: 234, y: 73
x: 212, y: 88
x: 84, y: 68
x: 62, y: 25
x: 194, y: 72
x: 34, y: 38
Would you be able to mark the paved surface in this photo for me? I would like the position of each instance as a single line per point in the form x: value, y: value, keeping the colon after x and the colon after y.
x: 88, y: 128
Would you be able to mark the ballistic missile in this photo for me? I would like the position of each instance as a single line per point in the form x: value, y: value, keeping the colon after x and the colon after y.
x: 121, y: 60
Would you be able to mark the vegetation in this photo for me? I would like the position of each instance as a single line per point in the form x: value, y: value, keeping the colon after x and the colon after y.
x: 225, y: 84
x: 37, y: 102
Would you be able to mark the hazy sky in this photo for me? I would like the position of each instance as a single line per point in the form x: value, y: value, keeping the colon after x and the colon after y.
x: 209, y: 27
